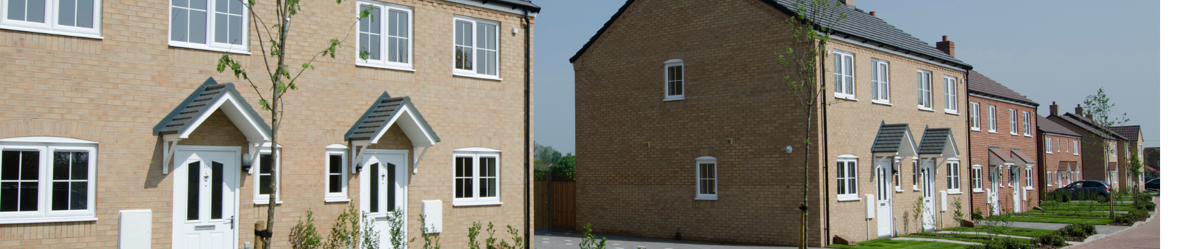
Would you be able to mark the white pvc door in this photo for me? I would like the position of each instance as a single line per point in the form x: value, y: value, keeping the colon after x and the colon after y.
x: 884, y: 200
x: 205, y: 194
x: 994, y: 196
x: 384, y: 184
x: 927, y: 182
x: 1014, y: 181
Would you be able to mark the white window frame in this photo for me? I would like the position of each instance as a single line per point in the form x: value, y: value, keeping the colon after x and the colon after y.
x: 666, y: 83
x: 951, y: 94
x: 991, y: 118
x: 977, y: 178
x: 1028, y: 125
x: 1048, y: 145
x: 1048, y: 178
x: 337, y: 150
x: 51, y: 25
x: 699, y: 178
x: 953, y: 176
x: 210, y: 23
x: 1012, y: 121
x: 46, y: 146
x: 850, y: 180
x: 925, y: 90
x: 1029, y: 178
x: 897, y: 176
x: 1059, y: 145
x: 477, y: 154
x: 974, y: 112
x: 256, y: 197
x: 880, y: 83
x: 382, y: 61
x: 497, y: 49
x: 1075, y: 147
x: 915, y: 175
x: 845, y: 75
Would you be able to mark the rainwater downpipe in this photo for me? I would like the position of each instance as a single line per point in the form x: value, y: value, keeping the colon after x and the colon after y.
x: 826, y: 156
x: 527, y: 177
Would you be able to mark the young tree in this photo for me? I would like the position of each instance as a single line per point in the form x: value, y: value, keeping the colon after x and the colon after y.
x: 1100, y: 108
x: 811, y: 30
x: 272, y: 35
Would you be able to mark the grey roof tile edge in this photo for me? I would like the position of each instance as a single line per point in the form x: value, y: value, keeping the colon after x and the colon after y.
x: 884, y: 130
x: 365, y: 115
x: 934, y: 141
x: 981, y: 84
x: 229, y: 89
x: 1089, y: 126
x: 1048, y: 126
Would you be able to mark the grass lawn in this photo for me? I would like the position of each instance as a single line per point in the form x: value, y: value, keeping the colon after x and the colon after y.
x: 1104, y: 207
x: 887, y: 243
x: 956, y: 237
x: 1059, y: 219
x: 1015, y: 231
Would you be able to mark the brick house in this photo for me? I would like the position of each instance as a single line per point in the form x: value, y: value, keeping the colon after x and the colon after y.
x: 684, y: 137
x: 1100, y: 156
x: 119, y: 132
x: 1060, y: 158
x: 1134, y: 140
x: 1003, y: 145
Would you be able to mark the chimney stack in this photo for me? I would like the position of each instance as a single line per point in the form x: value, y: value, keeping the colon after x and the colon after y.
x: 946, y: 46
x: 1053, y: 111
x: 1078, y: 110
x: 849, y: 3
x: 873, y: 13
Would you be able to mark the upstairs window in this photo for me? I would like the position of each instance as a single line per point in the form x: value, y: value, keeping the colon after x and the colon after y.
x: 1029, y: 127
x: 674, y: 80
x: 845, y: 79
x: 1012, y: 121
x: 925, y: 87
x: 974, y: 116
x: 951, y: 94
x: 385, y: 35
x: 475, y: 47
x: 218, y: 25
x: 846, y: 178
x: 991, y: 118
x: 60, y: 17
x: 1075, y: 147
x: 705, y: 175
x: 880, y: 81
x: 46, y: 179
x: 1059, y: 145
x: 1048, y: 145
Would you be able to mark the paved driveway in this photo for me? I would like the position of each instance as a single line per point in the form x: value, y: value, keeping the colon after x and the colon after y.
x: 565, y: 240
x: 1146, y: 235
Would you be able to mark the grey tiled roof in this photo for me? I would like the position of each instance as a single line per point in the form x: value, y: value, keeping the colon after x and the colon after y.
x: 1084, y: 123
x: 978, y: 83
x: 934, y: 140
x: 857, y: 26
x: 381, y: 113
x: 1046, y: 125
x: 889, y: 137
x: 1131, y: 132
x: 185, y: 114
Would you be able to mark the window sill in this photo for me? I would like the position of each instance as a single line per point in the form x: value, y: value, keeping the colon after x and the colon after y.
x: 335, y: 200
x: 673, y: 98
x: 957, y: 192
x: 952, y: 112
x: 1029, y: 135
x: 847, y: 198
x: 1028, y: 188
x: 705, y: 198
x: 476, y: 203
x: 920, y: 108
x: 900, y: 191
x: 264, y: 202
x: 1014, y: 134
x: 977, y: 191
x: 993, y: 132
x: 882, y: 102
x: 52, y: 32
x: 476, y: 76
x: 392, y: 67
x: 846, y: 97
x: 206, y: 47
x: 916, y: 189
x: 973, y: 129
x: 46, y: 220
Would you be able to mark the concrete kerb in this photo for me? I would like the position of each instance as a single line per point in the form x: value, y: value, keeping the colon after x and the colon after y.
x: 1151, y: 215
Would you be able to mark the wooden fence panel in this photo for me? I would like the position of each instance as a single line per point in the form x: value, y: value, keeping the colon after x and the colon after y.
x: 564, y: 206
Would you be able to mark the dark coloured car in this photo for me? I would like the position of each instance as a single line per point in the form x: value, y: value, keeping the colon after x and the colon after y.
x: 1083, y: 190
x: 1152, y: 184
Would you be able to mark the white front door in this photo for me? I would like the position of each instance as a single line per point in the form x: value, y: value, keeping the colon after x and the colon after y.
x: 928, y: 194
x: 994, y: 196
x: 1014, y: 181
x: 884, y: 199
x: 205, y: 197
x: 384, y: 189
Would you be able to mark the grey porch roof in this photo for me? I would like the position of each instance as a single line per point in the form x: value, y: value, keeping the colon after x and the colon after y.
x: 387, y: 111
x: 894, y: 138
x: 938, y: 141
x: 201, y: 103
x: 1048, y: 126
x: 980, y: 84
x: 858, y: 25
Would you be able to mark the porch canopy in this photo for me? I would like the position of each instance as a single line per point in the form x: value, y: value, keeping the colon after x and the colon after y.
x: 998, y: 157
x: 938, y: 143
x: 203, y: 102
x: 1063, y: 166
x: 894, y: 140
x: 382, y: 115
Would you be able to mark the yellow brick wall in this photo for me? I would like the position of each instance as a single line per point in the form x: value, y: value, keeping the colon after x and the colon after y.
x: 114, y: 90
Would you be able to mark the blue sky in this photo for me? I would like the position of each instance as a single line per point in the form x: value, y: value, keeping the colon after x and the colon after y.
x: 1047, y: 50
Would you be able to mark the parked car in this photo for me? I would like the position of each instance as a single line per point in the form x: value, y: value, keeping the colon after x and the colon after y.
x: 1083, y: 190
x: 1152, y: 184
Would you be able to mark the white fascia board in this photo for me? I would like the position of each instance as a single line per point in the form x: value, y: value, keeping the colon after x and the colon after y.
x: 497, y: 7
x: 237, y: 115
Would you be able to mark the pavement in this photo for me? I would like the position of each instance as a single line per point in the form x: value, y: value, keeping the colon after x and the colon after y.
x: 1145, y: 235
x: 565, y: 240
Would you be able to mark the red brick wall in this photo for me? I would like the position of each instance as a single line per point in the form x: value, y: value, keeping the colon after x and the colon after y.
x: 1051, y: 161
x: 1003, y: 139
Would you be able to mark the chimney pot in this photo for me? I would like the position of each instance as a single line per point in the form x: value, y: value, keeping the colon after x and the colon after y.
x: 944, y: 38
x: 873, y: 13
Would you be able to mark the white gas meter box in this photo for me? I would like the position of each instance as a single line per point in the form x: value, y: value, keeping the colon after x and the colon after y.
x: 135, y: 229
x: 870, y: 207
x: 942, y: 194
x: 432, y: 216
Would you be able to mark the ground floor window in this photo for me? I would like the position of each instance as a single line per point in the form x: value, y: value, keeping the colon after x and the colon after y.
x: 846, y: 178
x: 976, y: 178
x: 705, y: 175
x: 952, y: 175
x: 475, y: 175
x: 46, y: 179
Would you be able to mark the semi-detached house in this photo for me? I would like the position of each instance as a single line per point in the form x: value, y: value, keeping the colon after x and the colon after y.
x: 1061, y: 153
x: 683, y: 121
x: 118, y: 130
x: 1003, y: 148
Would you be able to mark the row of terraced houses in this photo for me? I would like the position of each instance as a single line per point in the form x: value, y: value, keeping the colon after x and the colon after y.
x: 682, y: 120
x: 117, y: 130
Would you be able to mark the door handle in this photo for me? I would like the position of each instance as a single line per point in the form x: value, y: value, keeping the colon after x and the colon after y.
x: 232, y: 222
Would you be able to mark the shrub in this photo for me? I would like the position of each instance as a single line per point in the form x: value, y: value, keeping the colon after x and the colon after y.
x: 1007, y: 244
x: 977, y: 214
x: 589, y: 241
x: 1077, y: 230
x: 1051, y: 239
